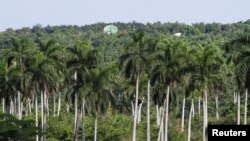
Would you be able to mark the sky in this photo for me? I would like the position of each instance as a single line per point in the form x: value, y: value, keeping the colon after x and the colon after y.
x: 27, y: 13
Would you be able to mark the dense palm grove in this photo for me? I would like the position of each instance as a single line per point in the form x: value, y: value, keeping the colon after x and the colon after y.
x: 143, y: 83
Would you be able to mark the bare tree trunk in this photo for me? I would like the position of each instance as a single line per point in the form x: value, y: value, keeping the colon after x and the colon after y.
x: 238, y: 119
x: 166, y: 119
x: 136, y: 105
x: 245, y: 115
x: 36, y: 112
x: 3, y: 104
x: 148, y: 112
x: 189, y: 121
x: 217, y: 106
x: 183, y: 114
x: 95, y: 132
x: 59, y: 104
x: 83, y: 114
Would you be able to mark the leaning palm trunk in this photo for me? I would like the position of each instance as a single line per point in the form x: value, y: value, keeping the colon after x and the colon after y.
x: 59, y: 104
x: 161, y: 130
x: 217, y: 106
x: 238, y: 119
x: 139, y: 113
x: 95, y: 132
x: 148, y: 112
x: 166, y: 119
x: 183, y: 114
x: 36, y: 112
x: 190, y: 120
x: 136, y: 105
x: 83, y: 114
x: 245, y: 114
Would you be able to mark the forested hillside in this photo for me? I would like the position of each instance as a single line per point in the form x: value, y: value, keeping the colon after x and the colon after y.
x: 142, y: 83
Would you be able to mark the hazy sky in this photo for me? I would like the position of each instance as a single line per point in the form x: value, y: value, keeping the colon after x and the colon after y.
x: 22, y: 13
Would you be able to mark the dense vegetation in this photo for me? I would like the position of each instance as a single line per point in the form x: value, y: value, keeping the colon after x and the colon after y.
x: 143, y: 83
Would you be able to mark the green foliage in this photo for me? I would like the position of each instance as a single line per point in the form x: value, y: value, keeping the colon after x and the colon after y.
x: 14, y: 129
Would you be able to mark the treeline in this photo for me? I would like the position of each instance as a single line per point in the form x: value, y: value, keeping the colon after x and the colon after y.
x: 149, y: 75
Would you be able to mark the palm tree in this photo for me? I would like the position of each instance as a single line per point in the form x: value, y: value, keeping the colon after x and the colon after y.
x: 16, y: 58
x: 170, y: 59
x: 99, y: 95
x: 206, y: 68
x: 239, y: 50
x: 134, y: 62
x: 83, y: 58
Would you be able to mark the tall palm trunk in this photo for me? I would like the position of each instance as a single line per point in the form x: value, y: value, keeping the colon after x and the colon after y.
x: 238, y: 119
x: 204, y: 115
x: 148, y: 112
x: 59, y: 104
x: 193, y: 112
x: 83, y: 114
x: 3, y: 105
x: 54, y: 105
x: 157, y: 115
x: 161, y: 130
x: 136, y: 105
x: 133, y: 108
x: 47, y: 104
x: 245, y: 115
x: 199, y: 106
x: 19, y: 105
x: 139, y: 113
x: 36, y: 112
x: 235, y: 97
x: 183, y: 114
x: 45, y: 113
x: 190, y: 120
x: 166, y: 119
x: 29, y: 105
x: 42, y: 112
x: 75, y: 119
x: 95, y: 132
x: 217, y: 106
